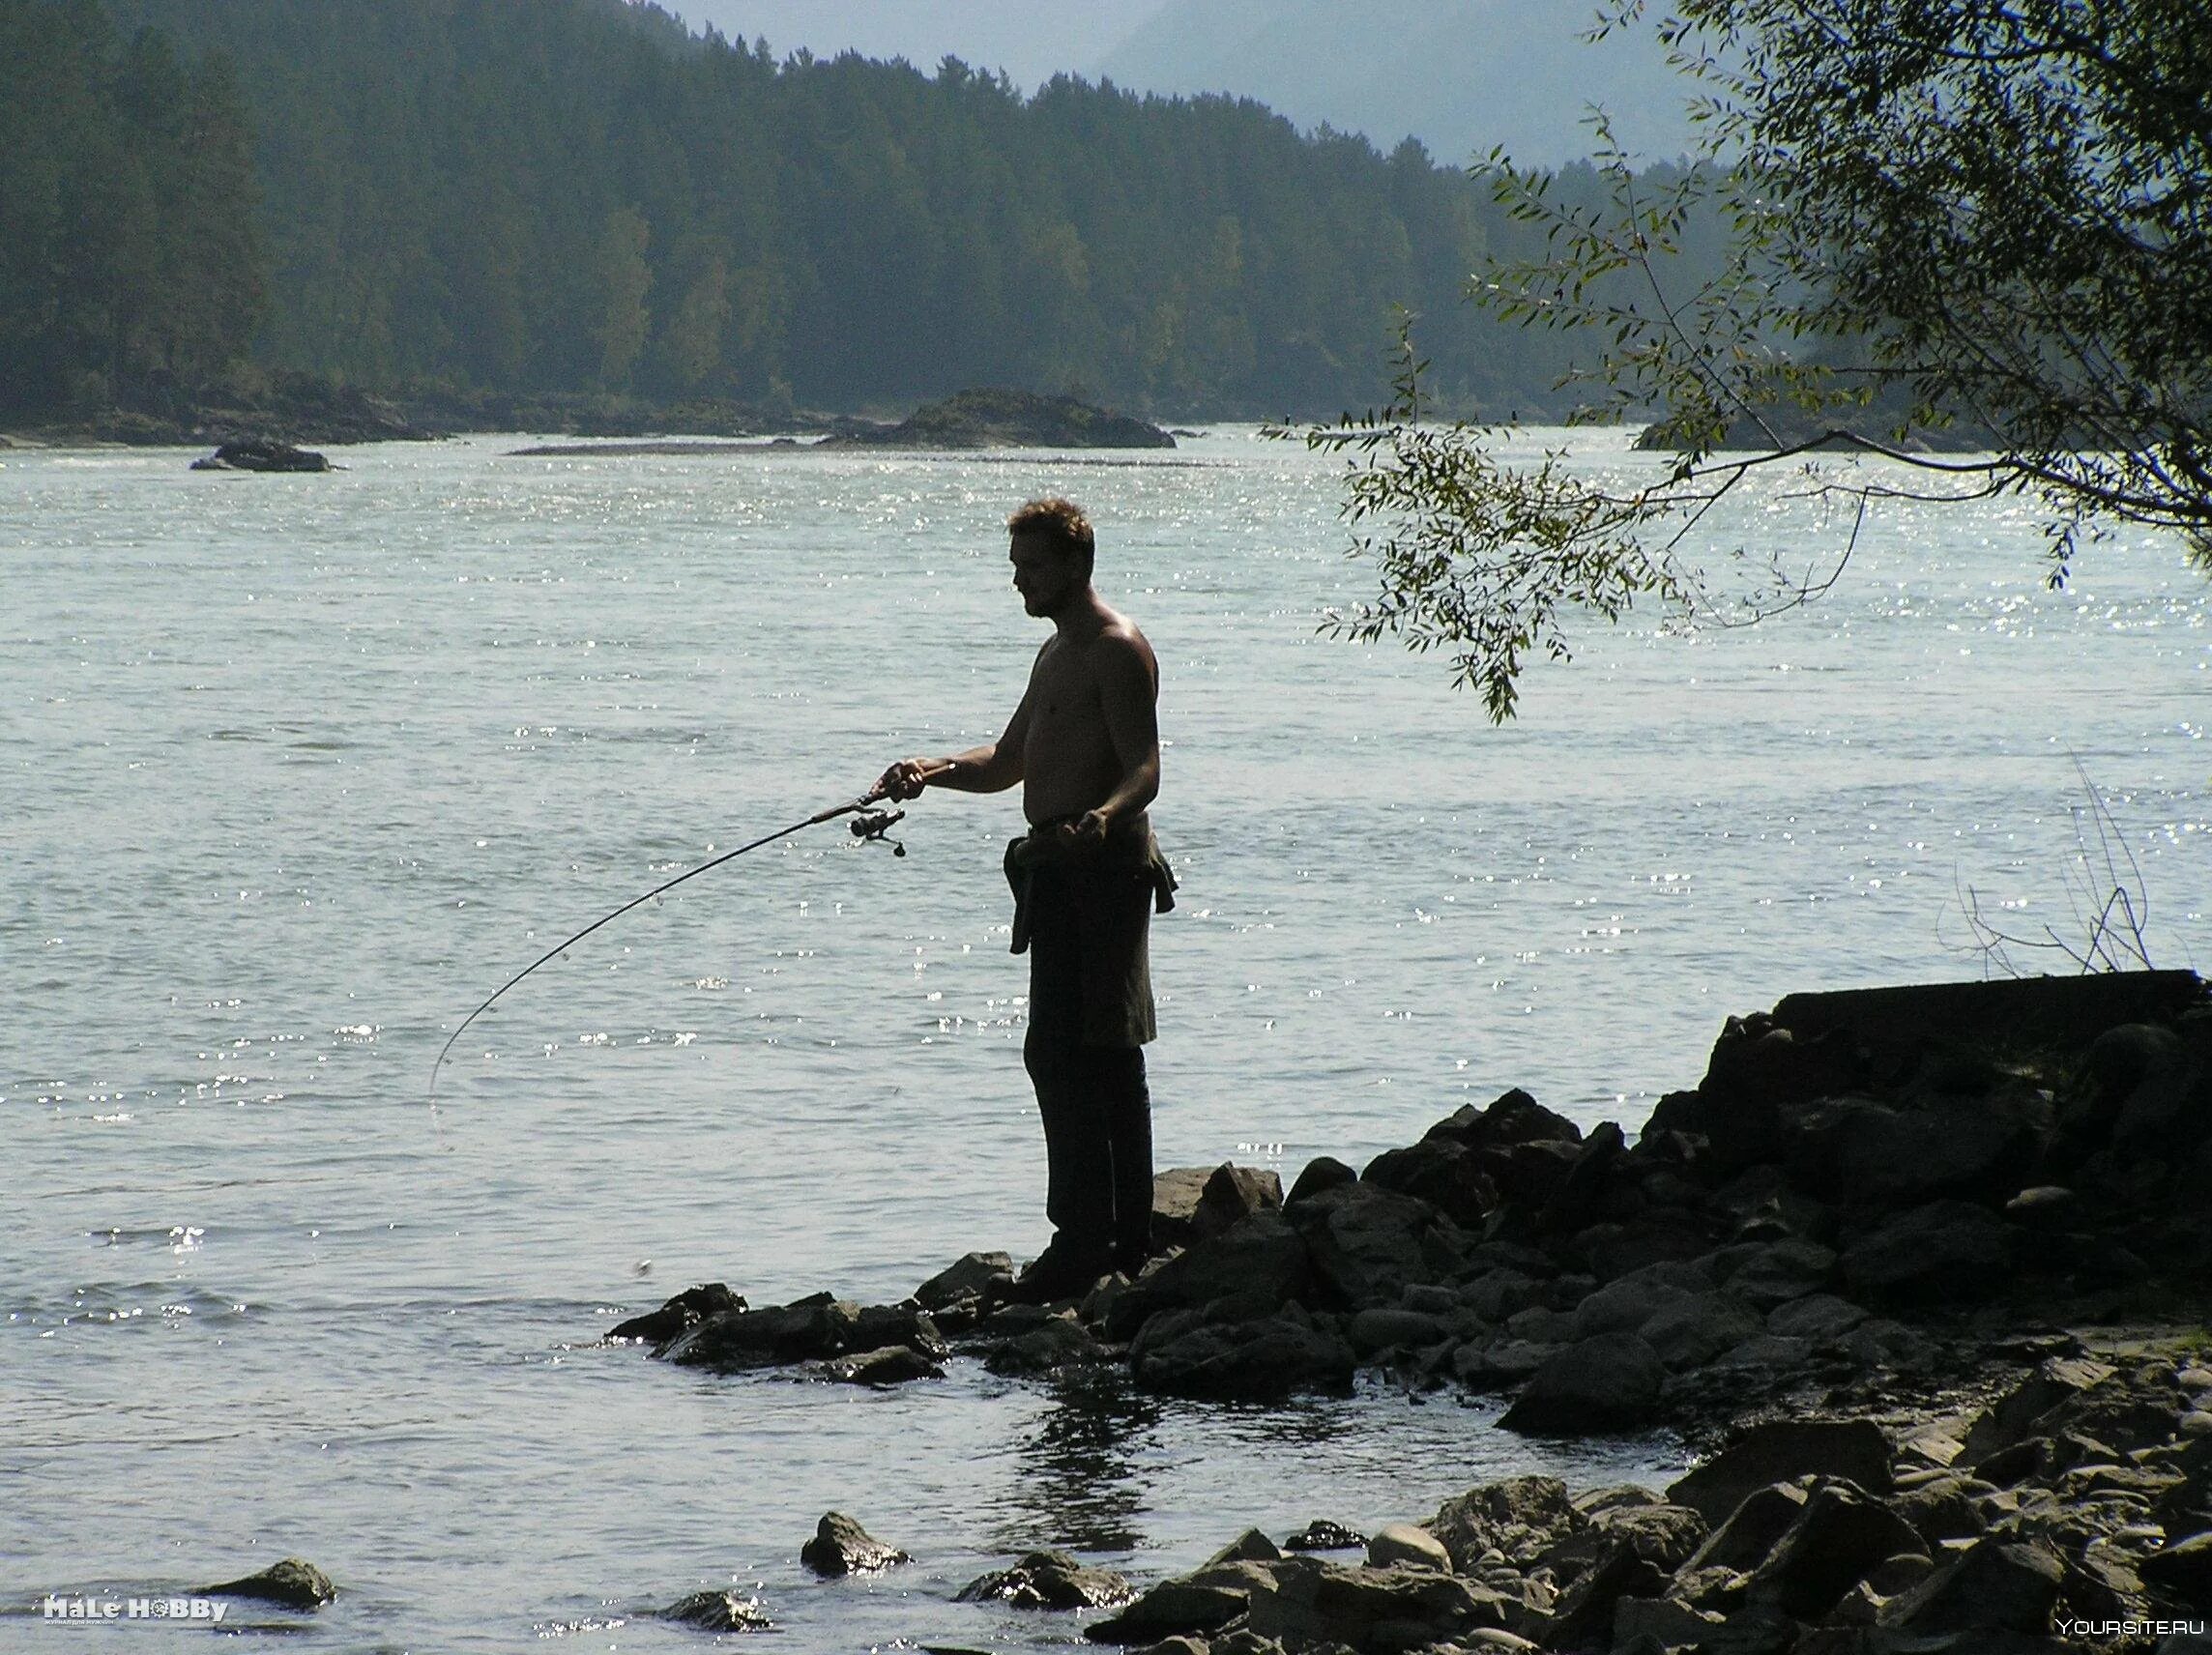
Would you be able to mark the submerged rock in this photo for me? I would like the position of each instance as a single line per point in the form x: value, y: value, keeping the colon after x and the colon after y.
x: 294, y: 1582
x: 262, y: 456
x: 686, y: 1310
x: 1000, y: 418
x: 1323, y: 1535
x: 720, y: 1612
x: 842, y: 1547
x: 1051, y: 1581
x: 813, y: 1329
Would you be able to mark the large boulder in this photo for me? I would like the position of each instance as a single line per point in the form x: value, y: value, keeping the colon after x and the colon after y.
x: 1947, y: 1251
x: 1522, y: 1518
x: 1310, y: 1602
x: 1780, y: 1452
x: 2182, y: 1570
x: 1996, y: 1584
x: 1859, y: 1150
x: 1264, y: 1360
x: 1195, y: 1604
x: 1262, y: 1256
x: 1190, y: 1202
x: 1611, y: 1382
x: 1842, y: 1536
x: 1367, y: 1244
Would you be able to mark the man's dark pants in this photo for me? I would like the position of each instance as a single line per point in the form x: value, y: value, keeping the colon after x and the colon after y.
x: 1089, y: 1015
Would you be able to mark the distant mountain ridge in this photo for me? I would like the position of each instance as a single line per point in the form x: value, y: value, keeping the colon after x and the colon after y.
x: 1462, y: 76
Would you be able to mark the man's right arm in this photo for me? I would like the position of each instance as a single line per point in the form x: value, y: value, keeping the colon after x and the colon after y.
x: 990, y: 769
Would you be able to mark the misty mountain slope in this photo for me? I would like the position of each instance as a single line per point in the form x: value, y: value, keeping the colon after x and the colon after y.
x: 1460, y: 75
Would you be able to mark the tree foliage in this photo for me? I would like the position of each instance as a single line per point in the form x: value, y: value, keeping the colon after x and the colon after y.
x: 129, y: 245
x: 1945, y: 218
x: 579, y: 196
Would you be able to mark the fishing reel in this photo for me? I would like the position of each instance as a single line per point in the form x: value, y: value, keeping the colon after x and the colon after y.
x: 874, y: 827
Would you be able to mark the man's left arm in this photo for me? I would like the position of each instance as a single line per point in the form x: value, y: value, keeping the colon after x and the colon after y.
x: 1128, y: 692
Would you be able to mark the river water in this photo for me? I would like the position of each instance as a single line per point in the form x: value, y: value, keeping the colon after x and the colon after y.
x: 297, y: 769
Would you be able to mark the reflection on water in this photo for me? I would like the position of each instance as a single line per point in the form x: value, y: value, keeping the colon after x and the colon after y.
x: 1076, y: 1479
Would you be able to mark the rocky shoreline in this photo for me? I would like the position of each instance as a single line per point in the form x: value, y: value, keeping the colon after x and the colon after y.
x: 303, y: 409
x: 1922, y: 1270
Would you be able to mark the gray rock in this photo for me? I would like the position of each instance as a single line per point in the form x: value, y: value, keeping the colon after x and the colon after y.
x: 995, y: 417
x: 1261, y: 1255
x: 1520, y: 1518
x: 2020, y: 1412
x: 1840, y: 1538
x: 842, y: 1547
x: 1624, y: 1306
x: 1948, y: 1250
x: 1058, y: 1343
x: 1781, y: 1452
x: 1253, y: 1361
x: 1450, y: 1175
x: 810, y: 1329
x: 1322, y: 1172
x: 1397, y: 1544
x: 1051, y: 1580
x: 1778, y: 1272
x: 292, y: 1582
x: 1501, y: 1364
x: 881, y: 1368
x: 967, y: 1277
x: 1817, y: 1318
x: 1943, y: 1508
x: 1586, y: 1610
x: 1694, y: 1330
x: 1383, y: 1327
x: 1383, y: 1610
x: 1968, y: 1149
x: 1367, y: 1243
x: 1200, y: 1602
x: 720, y: 1612
x: 1765, y: 1354
x: 1250, y: 1546
x: 2182, y: 1570
x: 1995, y: 1585
x: 1760, y: 1519
x: 262, y: 456
x: 1611, y: 1382
x: 1664, y: 1623
x: 687, y: 1310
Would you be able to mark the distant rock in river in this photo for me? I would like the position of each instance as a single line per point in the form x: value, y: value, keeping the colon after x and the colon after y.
x: 1008, y: 419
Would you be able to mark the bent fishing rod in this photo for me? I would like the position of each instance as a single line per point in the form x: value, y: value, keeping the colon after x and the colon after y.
x: 868, y: 826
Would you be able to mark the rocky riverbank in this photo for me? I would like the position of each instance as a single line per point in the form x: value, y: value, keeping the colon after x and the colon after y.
x: 303, y: 409
x: 1925, y: 1269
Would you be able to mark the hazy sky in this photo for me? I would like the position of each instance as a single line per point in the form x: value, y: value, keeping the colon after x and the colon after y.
x: 1462, y: 76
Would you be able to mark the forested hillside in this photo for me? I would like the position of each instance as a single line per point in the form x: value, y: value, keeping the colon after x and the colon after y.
x: 578, y: 195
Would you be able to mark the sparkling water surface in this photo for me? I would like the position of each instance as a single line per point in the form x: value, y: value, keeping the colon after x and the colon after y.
x: 297, y: 769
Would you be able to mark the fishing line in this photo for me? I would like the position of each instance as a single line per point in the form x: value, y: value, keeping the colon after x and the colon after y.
x: 867, y: 828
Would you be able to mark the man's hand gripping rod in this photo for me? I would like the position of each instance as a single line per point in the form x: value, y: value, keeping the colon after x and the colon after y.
x: 867, y: 826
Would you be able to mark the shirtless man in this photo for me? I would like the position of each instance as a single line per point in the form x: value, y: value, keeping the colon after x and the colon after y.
x: 1085, y: 746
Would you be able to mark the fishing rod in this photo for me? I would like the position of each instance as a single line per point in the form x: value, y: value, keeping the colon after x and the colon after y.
x: 868, y: 826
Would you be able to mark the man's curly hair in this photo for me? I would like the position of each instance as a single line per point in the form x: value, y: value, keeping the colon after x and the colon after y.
x: 1060, y: 523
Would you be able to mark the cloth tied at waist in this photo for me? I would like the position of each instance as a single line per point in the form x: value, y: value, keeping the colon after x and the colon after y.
x: 1043, y: 849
